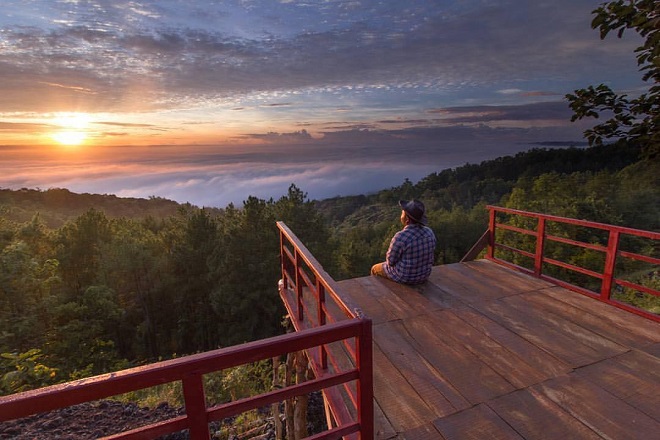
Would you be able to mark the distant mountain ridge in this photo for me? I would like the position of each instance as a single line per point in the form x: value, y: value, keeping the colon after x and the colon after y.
x: 486, y: 182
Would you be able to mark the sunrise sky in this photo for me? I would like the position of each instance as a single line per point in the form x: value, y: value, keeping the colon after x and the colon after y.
x: 211, y: 101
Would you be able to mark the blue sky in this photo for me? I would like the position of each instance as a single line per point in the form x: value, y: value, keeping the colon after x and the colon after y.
x: 211, y: 101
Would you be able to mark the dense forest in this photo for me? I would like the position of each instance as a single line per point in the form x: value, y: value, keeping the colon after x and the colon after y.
x: 109, y: 283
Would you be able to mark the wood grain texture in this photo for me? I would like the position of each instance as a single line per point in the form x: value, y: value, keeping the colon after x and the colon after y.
x: 633, y: 377
x: 601, y: 411
x: 441, y: 396
x: 470, y: 375
x: 483, y: 352
x: 534, y: 416
x: 477, y: 423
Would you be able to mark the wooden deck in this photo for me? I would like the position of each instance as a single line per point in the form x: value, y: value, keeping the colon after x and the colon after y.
x: 483, y: 352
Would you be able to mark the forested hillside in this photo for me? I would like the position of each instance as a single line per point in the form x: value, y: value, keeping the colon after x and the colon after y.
x: 58, y: 205
x: 609, y: 184
x: 112, y: 283
x: 488, y: 181
x: 102, y: 293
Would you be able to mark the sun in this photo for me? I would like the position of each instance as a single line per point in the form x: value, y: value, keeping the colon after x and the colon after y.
x: 73, y: 128
x: 70, y: 137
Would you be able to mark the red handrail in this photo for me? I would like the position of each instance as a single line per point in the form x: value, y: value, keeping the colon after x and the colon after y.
x: 295, y: 257
x: 541, y: 237
x: 189, y: 370
x: 302, y: 273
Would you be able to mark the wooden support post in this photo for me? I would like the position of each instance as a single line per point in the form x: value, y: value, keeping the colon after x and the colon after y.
x: 329, y: 419
x: 296, y: 408
x: 300, y: 411
x: 275, y: 407
x: 193, y: 393
x: 289, y: 404
x: 365, y: 391
x: 477, y: 248
x: 299, y: 285
x: 322, y: 320
x: 283, y: 266
x: 540, y: 245
x: 610, y: 265
x: 491, y: 234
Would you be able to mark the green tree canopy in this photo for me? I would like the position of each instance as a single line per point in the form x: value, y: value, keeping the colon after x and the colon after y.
x: 632, y: 119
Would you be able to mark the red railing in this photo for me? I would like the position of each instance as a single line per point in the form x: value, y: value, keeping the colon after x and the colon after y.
x: 190, y: 370
x: 540, y: 237
x: 314, y: 300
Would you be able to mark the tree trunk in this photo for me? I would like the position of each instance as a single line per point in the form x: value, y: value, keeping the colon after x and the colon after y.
x: 296, y: 408
x: 300, y: 414
x: 276, y: 405
x: 289, y: 404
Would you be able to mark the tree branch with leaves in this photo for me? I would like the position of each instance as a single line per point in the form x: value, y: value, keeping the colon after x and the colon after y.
x: 632, y: 119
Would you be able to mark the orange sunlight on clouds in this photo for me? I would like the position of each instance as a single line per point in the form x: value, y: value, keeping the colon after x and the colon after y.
x: 73, y: 128
x: 69, y: 137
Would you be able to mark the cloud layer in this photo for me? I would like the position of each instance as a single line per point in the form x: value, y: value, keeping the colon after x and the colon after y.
x: 246, y: 96
x: 340, y: 163
x: 147, y: 55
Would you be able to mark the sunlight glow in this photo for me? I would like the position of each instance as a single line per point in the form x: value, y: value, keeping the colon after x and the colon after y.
x: 70, y: 137
x: 73, y: 128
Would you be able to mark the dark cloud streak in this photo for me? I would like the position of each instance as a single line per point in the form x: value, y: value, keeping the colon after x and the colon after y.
x: 558, y: 111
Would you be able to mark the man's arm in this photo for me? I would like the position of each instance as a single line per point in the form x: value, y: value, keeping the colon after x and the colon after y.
x: 395, y: 251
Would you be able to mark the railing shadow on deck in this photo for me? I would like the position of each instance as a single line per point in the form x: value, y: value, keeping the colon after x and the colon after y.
x: 189, y: 370
x: 530, y: 235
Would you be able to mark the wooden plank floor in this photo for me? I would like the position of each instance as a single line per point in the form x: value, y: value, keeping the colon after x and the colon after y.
x: 483, y: 352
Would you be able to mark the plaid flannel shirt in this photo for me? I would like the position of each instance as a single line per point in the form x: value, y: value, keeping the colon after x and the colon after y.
x: 410, y: 256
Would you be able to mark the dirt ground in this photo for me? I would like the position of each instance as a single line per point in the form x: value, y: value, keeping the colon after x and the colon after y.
x: 87, y: 421
x: 99, y: 419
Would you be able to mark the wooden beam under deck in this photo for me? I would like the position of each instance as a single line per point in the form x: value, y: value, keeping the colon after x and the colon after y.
x: 483, y: 352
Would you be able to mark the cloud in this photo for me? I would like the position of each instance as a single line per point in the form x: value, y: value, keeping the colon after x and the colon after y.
x: 557, y: 111
x: 540, y: 93
x: 301, y: 136
x: 114, y: 134
x: 384, y: 90
x: 210, y: 183
x: 510, y: 91
x: 73, y: 88
x: 124, y: 124
x: 103, y: 61
x: 338, y: 163
x: 22, y: 126
x: 405, y: 121
x: 233, y: 185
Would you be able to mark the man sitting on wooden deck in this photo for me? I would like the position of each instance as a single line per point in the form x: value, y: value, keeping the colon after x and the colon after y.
x: 410, y: 256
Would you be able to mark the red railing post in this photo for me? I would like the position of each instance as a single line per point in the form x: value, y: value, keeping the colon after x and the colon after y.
x: 193, y: 393
x: 365, y: 390
x: 540, y: 244
x: 285, y: 281
x: 610, y: 263
x: 491, y: 233
x: 299, y: 286
x: 611, y: 250
x: 323, y: 289
x: 322, y: 320
x: 321, y: 305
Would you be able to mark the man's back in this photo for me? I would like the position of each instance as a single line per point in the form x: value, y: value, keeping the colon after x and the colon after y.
x: 410, y: 256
